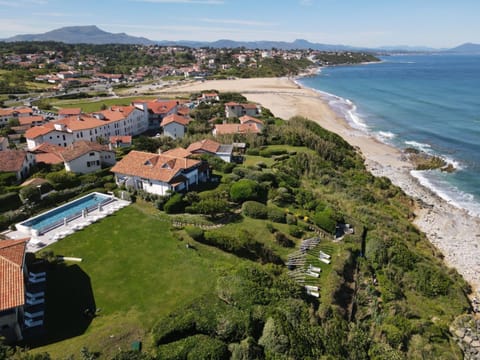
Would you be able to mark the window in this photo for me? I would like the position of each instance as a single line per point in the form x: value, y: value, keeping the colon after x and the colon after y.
x: 63, y: 137
x: 91, y: 154
x: 88, y: 163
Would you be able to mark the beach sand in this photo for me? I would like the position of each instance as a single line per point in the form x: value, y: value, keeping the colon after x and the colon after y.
x: 452, y: 230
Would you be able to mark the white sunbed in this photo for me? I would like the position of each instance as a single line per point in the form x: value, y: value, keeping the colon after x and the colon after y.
x: 324, y: 260
x: 314, y: 268
x: 311, y: 288
x: 312, y: 274
x: 313, y: 293
x: 324, y: 255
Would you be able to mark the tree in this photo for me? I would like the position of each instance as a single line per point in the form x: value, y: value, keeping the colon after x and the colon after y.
x: 244, y: 190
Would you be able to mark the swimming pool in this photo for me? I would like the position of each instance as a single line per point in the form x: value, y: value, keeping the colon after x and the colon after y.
x: 56, y: 217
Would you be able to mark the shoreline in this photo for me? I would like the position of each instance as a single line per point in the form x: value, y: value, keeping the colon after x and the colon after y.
x: 450, y: 229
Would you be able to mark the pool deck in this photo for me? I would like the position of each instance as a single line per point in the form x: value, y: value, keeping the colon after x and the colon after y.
x: 39, y: 242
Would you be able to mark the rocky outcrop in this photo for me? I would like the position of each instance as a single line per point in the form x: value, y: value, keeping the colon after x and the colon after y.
x: 466, y: 331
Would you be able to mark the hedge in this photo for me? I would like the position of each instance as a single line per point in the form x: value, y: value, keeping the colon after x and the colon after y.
x: 9, y: 201
x: 254, y: 210
x: 244, y: 190
x: 195, y: 233
x: 175, y: 204
x: 276, y: 214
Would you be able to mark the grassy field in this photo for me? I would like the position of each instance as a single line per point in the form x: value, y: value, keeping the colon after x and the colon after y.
x: 251, y: 160
x: 95, y: 105
x: 134, y: 270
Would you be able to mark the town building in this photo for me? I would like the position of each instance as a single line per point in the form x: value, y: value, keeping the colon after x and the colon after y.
x: 211, y: 147
x: 19, y: 162
x: 174, y: 126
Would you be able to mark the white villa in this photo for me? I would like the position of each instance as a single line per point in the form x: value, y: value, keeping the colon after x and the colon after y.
x: 160, y: 173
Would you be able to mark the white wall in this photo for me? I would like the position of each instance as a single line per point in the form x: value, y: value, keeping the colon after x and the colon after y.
x: 80, y: 164
x: 174, y: 130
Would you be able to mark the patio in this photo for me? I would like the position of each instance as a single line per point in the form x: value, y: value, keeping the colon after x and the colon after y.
x: 38, y: 242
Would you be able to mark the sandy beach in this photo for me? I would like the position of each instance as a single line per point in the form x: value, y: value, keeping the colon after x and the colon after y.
x: 452, y: 230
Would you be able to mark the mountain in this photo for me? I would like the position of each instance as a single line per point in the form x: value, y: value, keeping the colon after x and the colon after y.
x: 467, y: 48
x: 82, y: 34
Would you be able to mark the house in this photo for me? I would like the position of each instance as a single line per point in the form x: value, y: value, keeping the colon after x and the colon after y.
x: 3, y: 143
x: 19, y: 162
x: 160, y: 173
x: 86, y: 157
x: 174, y: 126
x: 63, y: 113
x: 212, y: 147
x: 157, y: 110
x: 234, y: 109
x: 48, y: 154
x: 12, y: 287
x: 225, y: 129
x: 31, y: 121
x: 119, y: 141
x: 250, y: 120
x: 209, y: 97
x: 9, y: 113
x: 118, y: 120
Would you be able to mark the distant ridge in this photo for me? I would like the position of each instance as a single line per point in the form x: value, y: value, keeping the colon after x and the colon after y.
x: 467, y: 48
x: 82, y: 34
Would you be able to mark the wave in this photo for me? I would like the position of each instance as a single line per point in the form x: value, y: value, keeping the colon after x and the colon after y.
x: 451, y: 194
x: 385, y: 135
x: 426, y: 148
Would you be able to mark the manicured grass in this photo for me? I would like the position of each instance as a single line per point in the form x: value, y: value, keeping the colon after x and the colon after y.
x: 90, y: 106
x: 135, y: 271
x: 251, y: 160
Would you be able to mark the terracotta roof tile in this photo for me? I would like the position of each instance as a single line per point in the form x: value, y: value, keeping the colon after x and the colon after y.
x: 12, y: 287
x: 160, y: 167
x: 12, y: 160
x: 37, y: 131
x: 121, y: 139
x: 178, y: 152
x: 80, y: 148
x: 70, y: 111
x: 222, y: 129
x: 206, y: 145
x: 174, y: 118
x: 29, y: 120
x: 247, y: 118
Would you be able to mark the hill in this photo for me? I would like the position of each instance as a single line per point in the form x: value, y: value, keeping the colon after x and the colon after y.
x: 82, y: 34
x: 467, y: 48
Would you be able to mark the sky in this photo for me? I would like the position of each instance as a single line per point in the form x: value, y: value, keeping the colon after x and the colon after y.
x: 369, y: 23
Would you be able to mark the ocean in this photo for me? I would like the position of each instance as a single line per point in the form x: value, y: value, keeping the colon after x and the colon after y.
x: 429, y: 102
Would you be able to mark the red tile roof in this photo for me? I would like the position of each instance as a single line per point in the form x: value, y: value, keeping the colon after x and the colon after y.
x: 206, y: 145
x: 222, y: 129
x: 37, y: 131
x: 161, y: 107
x: 12, y: 111
x: 80, y: 148
x: 178, y: 152
x: 160, y: 167
x: 247, y: 118
x: 12, y: 160
x: 120, y: 139
x: 70, y: 111
x: 29, y: 120
x: 12, y: 287
x: 174, y: 118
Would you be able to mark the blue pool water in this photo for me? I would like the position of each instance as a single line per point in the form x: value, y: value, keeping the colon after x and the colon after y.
x: 65, y: 211
x: 430, y: 102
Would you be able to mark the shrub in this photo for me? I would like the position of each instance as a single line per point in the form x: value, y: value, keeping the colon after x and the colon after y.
x: 244, y: 190
x: 291, y: 219
x: 254, y: 210
x: 271, y: 152
x: 8, y: 179
x: 326, y: 220
x: 253, y: 151
x: 283, y: 240
x: 160, y: 202
x: 195, y: 233
x: 175, y: 204
x: 276, y: 214
x: 295, y: 231
x: 30, y: 194
x: 9, y: 201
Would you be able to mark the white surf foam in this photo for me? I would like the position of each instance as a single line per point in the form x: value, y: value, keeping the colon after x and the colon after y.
x: 426, y: 148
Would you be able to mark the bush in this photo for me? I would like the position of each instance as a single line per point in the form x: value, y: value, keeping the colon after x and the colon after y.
x: 195, y: 233
x: 30, y: 194
x: 326, y: 220
x: 271, y: 152
x: 8, y: 179
x: 244, y: 190
x: 283, y: 240
x: 62, y: 179
x: 253, y: 151
x: 175, y: 204
x: 9, y: 201
x: 254, y: 210
x: 291, y: 219
x: 295, y: 231
x: 276, y: 214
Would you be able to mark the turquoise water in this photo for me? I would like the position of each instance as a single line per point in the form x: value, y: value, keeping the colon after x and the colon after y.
x: 65, y: 211
x: 430, y: 102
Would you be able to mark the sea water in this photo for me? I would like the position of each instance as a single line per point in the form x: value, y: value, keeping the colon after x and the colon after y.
x: 428, y: 102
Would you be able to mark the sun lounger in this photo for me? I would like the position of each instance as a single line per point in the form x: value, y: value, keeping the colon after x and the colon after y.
x: 314, y: 268
x: 324, y: 260
x: 324, y: 255
x: 33, y: 323
x: 313, y: 293
x: 311, y: 288
x: 312, y: 274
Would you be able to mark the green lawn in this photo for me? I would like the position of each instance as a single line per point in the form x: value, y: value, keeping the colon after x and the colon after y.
x: 90, y: 106
x: 251, y: 160
x: 134, y: 270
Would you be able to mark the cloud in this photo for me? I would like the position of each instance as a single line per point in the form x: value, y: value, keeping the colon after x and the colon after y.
x: 60, y: 14
x: 237, y: 22
x: 22, y: 3
x: 306, y: 2
x: 191, y: 2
